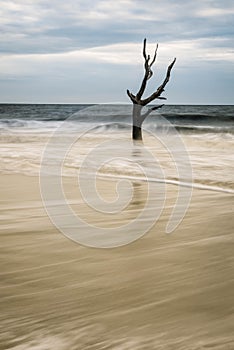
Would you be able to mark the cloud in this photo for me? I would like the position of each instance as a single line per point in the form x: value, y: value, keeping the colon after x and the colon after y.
x: 188, y: 52
x: 63, y: 40
x: 215, y: 11
x: 40, y: 27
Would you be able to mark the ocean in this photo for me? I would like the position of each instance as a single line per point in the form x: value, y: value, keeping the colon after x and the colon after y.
x: 207, y: 131
x: 112, y: 244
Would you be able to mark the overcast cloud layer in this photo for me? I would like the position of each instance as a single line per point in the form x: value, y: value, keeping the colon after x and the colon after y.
x: 90, y: 51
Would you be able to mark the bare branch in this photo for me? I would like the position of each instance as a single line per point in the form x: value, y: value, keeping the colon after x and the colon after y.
x: 148, y: 72
x: 160, y: 89
x: 143, y: 85
x: 132, y: 97
x: 156, y: 107
x: 155, y: 55
x: 144, y: 50
x: 150, y: 110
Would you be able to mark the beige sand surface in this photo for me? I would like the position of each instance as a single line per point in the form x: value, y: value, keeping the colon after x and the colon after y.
x: 160, y: 292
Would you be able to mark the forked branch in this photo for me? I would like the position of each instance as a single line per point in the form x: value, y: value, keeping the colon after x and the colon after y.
x: 148, y: 71
x: 148, y: 74
x: 160, y: 89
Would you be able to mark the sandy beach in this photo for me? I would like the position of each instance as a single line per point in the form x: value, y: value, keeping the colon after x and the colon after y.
x: 160, y: 292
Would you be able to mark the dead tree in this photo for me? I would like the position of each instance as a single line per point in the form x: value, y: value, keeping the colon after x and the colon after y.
x: 138, y: 102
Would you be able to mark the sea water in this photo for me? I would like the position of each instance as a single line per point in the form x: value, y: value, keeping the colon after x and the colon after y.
x: 207, y: 133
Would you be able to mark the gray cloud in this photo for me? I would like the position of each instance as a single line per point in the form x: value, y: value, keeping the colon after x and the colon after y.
x: 55, y: 41
x: 39, y: 26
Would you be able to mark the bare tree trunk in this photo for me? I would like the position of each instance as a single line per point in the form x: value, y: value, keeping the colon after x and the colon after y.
x: 137, y: 117
x: 136, y: 122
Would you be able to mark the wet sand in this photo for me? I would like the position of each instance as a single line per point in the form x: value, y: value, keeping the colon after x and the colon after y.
x: 160, y: 292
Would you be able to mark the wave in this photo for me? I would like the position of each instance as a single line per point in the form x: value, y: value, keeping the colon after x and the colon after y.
x: 27, y: 124
x: 202, y: 117
x: 204, y: 129
x: 203, y: 184
x: 186, y: 119
x: 209, y: 143
x: 110, y: 124
x: 29, y: 164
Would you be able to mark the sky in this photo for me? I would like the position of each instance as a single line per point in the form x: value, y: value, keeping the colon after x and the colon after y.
x: 82, y: 51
